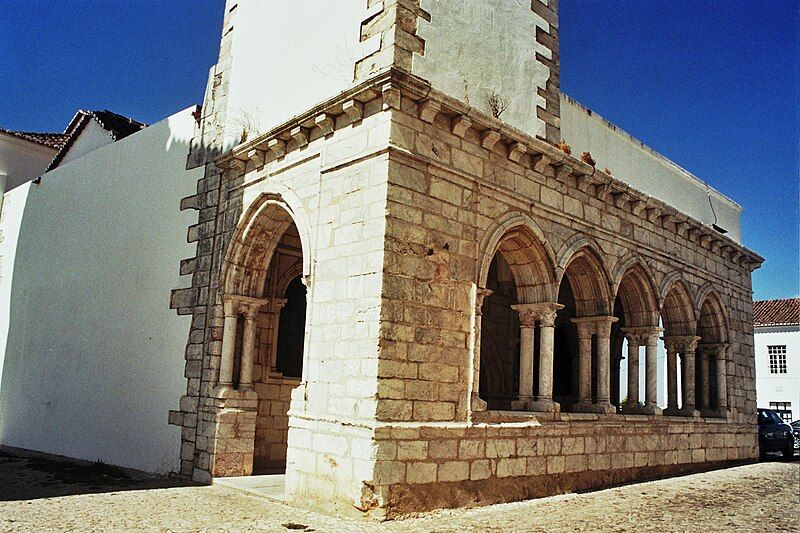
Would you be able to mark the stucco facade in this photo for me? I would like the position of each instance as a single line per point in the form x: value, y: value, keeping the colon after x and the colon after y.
x: 468, y: 286
x: 777, y: 344
x: 89, y: 351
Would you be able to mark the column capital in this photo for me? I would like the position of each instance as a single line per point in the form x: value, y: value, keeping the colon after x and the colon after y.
x: 276, y: 304
x: 642, y: 335
x: 480, y: 295
x: 681, y: 343
x: 249, y: 310
x: 528, y: 314
x: 238, y: 303
x: 594, y: 324
x: 716, y: 350
x: 544, y: 312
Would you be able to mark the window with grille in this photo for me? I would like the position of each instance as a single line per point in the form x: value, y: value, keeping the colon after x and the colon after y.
x: 777, y: 359
x: 784, y: 410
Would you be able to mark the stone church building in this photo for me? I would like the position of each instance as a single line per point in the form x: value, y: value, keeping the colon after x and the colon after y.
x: 410, y: 286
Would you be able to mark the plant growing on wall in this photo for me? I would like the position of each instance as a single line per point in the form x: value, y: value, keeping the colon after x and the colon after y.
x: 497, y: 103
x: 564, y: 147
x: 586, y: 157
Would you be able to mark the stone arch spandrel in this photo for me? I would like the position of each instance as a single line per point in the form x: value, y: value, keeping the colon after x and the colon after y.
x: 527, y: 251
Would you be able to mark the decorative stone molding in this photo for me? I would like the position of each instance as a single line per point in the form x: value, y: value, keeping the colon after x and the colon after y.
x: 681, y: 343
x: 392, y: 85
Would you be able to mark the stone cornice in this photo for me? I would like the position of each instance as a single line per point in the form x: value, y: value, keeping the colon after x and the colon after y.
x: 392, y: 85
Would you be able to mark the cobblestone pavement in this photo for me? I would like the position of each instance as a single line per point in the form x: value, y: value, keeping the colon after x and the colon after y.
x: 37, y: 496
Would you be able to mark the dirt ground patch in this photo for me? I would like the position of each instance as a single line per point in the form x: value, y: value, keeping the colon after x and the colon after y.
x: 39, y: 495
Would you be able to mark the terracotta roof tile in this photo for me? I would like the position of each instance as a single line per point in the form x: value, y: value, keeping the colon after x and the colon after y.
x: 52, y: 140
x: 777, y: 312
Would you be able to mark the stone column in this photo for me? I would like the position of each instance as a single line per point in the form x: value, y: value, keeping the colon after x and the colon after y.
x: 527, y: 325
x: 231, y: 309
x: 250, y: 312
x: 603, y: 404
x: 275, y: 306
x: 688, y: 348
x: 585, y: 332
x: 705, y: 380
x: 672, y: 376
x: 547, y: 317
x: 478, y: 404
x: 634, y: 342
x: 720, y: 357
x: 651, y: 369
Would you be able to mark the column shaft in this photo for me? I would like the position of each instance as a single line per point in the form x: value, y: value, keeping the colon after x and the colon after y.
x: 248, y: 350
x: 228, y: 344
x: 705, y: 380
x: 603, y: 404
x: 688, y: 384
x: 722, y: 381
x: 584, y: 368
x: 651, y: 376
x: 546, y: 346
x: 672, y: 380
x: 633, y: 374
x: 526, y: 363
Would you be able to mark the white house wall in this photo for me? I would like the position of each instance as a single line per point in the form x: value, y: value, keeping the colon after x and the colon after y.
x: 644, y: 169
x: 94, y: 356
x: 21, y: 161
x: 91, y: 137
x: 778, y: 387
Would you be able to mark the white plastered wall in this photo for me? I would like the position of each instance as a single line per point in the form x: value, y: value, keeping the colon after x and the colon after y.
x: 778, y: 387
x: 21, y: 161
x: 287, y: 57
x: 93, y: 353
x: 91, y: 137
x: 476, y: 48
x: 644, y: 169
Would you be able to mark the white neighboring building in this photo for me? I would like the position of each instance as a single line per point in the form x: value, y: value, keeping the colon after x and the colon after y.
x: 777, y: 347
x: 91, y: 356
x: 24, y: 156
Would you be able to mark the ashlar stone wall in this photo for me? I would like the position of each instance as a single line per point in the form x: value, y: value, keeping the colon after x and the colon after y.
x: 401, y: 197
x: 453, y: 185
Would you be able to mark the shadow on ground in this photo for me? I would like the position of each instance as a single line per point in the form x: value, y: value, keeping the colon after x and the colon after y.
x: 29, y: 478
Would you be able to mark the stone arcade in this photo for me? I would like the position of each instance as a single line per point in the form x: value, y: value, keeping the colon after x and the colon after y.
x: 406, y: 303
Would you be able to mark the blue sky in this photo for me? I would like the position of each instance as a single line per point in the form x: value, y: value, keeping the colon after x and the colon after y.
x: 713, y: 85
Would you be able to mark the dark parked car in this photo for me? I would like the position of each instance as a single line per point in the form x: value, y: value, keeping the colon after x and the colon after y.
x: 774, y: 435
x: 796, y: 430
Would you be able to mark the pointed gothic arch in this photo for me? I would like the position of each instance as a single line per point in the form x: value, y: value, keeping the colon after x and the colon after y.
x: 635, y: 288
x: 677, y: 311
x: 528, y: 253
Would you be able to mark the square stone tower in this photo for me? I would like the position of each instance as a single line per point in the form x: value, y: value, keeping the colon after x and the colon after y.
x: 406, y: 297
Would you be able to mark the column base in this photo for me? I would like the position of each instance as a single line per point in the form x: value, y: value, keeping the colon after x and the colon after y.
x: 637, y: 409
x: 672, y: 410
x: 651, y: 409
x: 689, y: 411
x: 583, y: 407
x: 478, y: 404
x: 521, y: 405
x: 545, y: 406
x: 605, y: 408
x: 719, y: 412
